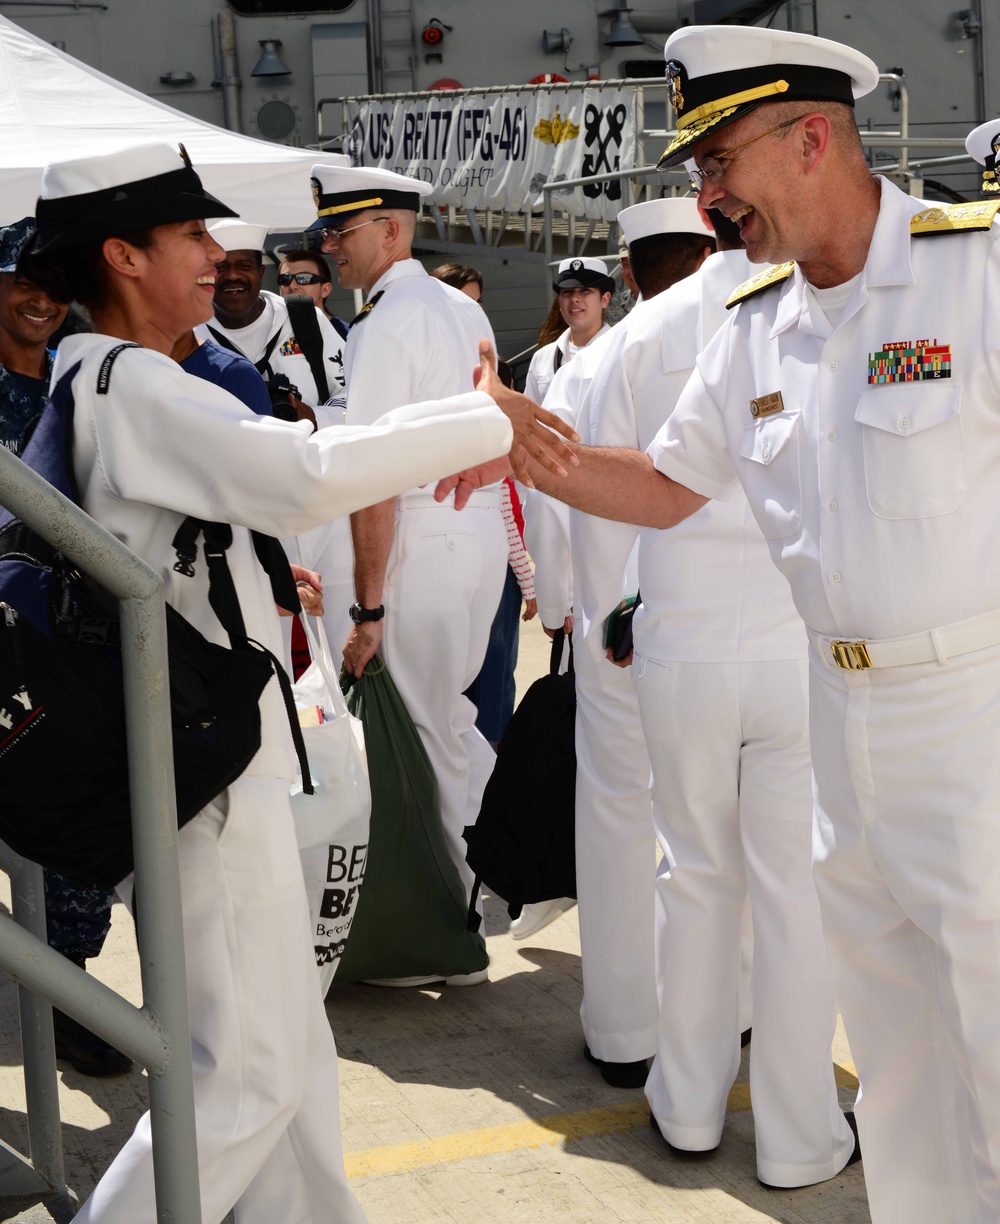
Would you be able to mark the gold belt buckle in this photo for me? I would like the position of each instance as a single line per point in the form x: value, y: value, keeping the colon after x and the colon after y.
x: 853, y: 656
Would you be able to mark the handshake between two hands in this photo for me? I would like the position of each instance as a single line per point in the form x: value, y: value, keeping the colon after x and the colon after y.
x: 536, y: 438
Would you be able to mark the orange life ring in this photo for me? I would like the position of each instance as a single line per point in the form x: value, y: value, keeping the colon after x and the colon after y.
x: 548, y: 78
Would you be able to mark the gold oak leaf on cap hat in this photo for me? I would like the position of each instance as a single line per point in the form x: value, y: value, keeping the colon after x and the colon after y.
x: 718, y: 74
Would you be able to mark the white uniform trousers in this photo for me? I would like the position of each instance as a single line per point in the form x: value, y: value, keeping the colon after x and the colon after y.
x: 615, y: 862
x: 729, y: 749
x: 442, y: 590
x: 265, y: 1063
x: 907, y: 763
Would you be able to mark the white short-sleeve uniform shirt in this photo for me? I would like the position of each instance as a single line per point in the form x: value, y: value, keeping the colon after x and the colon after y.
x: 877, y: 498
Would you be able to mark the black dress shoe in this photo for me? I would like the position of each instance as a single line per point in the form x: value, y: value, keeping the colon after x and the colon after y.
x: 619, y: 1074
x: 854, y: 1157
x: 683, y: 1153
x: 84, y: 1050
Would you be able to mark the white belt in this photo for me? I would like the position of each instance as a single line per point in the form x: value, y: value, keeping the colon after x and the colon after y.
x: 930, y: 646
x: 488, y: 498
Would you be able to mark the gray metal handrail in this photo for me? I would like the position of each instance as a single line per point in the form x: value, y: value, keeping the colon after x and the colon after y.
x: 157, y: 1034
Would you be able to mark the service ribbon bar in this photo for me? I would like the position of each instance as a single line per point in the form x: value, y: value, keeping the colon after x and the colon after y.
x: 896, y: 363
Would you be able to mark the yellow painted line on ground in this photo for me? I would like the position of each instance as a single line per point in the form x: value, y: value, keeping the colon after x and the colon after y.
x: 529, y: 1133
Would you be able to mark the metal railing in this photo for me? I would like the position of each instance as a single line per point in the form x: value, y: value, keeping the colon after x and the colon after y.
x: 157, y: 1034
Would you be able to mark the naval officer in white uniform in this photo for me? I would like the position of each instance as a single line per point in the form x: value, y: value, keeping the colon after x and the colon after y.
x: 152, y: 445
x: 720, y: 674
x: 428, y: 580
x: 855, y: 395
x: 614, y: 831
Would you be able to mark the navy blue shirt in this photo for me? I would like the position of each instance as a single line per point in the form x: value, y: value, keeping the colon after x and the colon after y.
x: 232, y: 372
x: 20, y: 400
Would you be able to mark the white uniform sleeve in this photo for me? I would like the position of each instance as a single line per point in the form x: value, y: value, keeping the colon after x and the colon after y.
x: 546, y: 521
x: 216, y: 460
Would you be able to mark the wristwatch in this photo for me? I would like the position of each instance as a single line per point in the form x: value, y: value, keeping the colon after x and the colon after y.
x: 360, y: 614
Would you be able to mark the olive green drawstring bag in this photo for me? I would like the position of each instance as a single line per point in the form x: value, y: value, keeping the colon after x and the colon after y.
x: 411, y: 913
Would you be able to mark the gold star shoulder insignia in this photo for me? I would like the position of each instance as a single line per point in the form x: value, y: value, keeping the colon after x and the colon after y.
x: 759, y: 283
x: 953, y: 218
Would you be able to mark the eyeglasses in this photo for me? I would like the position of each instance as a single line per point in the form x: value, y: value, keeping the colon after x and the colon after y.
x: 300, y: 278
x: 326, y: 234
x: 712, y: 169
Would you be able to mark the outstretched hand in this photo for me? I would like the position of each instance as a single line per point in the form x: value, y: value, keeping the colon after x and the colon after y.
x: 536, y: 435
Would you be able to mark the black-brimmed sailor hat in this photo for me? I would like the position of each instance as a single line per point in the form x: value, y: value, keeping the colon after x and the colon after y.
x: 135, y: 188
x: 671, y: 215
x: 581, y: 273
x: 983, y: 143
x: 718, y: 74
x: 12, y: 240
x: 342, y: 191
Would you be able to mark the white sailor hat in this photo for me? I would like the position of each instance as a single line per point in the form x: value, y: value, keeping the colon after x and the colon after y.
x: 342, y: 191
x: 236, y: 235
x: 983, y: 143
x: 137, y: 187
x: 720, y: 73
x: 679, y: 215
x: 582, y: 273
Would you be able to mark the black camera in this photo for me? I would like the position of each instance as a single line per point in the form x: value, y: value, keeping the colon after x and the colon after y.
x: 279, y: 388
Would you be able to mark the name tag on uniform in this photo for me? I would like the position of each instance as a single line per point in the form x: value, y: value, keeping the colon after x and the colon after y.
x: 766, y: 405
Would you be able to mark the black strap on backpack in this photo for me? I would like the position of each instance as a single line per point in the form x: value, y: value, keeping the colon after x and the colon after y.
x: 305, y: 329
x: 221, y: 589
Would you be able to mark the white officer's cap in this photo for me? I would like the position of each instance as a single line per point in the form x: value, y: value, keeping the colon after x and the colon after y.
x: 342, y: 191
x: 983, y: 143
x: 236, y: 235
x: 719, y: 73
x: 679, y: 215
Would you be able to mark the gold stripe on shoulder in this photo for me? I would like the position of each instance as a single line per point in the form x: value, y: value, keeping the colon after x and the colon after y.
x: 757, y: 284
x: 950, y: 218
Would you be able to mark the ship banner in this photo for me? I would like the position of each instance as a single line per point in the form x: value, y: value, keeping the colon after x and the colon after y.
x: 495, y: 150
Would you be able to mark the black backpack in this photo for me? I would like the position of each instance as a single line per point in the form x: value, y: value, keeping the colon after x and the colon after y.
x: 523, y: 845
x: 64, y: 799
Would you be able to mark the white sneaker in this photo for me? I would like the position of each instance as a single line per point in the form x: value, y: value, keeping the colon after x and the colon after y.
x: 456, y: 979
x: 539, y: 914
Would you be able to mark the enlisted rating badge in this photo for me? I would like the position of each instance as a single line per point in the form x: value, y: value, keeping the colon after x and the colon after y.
x: 909, y: 361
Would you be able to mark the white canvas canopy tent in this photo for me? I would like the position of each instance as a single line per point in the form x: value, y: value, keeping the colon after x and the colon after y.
x: 53, y: 107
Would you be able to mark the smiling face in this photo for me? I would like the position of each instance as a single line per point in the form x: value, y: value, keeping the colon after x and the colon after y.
x: 181, y: 273
x: 28, y: 316
x: 760, y: 187
x: 360, y: 248
x: 237, y: 287
x: 583, y: 312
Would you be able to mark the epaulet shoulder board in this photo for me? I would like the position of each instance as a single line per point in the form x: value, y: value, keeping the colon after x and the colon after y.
x: 757, y: 284
x: 950, y: 218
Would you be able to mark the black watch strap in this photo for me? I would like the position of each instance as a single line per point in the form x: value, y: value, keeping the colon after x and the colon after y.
x: 359, y: 614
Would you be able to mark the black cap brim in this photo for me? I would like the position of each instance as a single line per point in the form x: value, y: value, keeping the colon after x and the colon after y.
x: 584, y: 280
x: 76, y: 221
